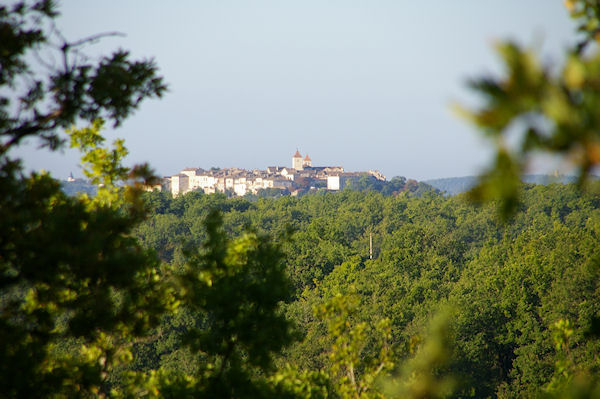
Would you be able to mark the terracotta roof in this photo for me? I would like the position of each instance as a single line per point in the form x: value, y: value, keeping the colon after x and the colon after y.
x: 297, y: 154
x: 307, y: 158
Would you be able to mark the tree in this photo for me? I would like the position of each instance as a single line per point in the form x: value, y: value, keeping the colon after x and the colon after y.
x: 557, y: 113
x: 79, y: 295
x: 43, y: 98
x: 235, y: 288
x: 71, y: 274
x: 77, y: 291
x: 356, y: 375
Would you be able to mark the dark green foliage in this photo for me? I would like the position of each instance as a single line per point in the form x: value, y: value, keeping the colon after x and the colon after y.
x: 236, y: 287
x: 507, y: 284
x: 75, y: 286
x: 95, y: 279
x: 396, y: 186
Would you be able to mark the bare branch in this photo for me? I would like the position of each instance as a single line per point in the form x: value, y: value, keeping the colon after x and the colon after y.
x: 55, y: 31
x: 41, y: 61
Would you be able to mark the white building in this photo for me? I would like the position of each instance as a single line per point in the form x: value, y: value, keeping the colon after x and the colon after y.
x: 339, y: 181
x: 242, y: 182
x: 179, y: 184
x: 288, y: 173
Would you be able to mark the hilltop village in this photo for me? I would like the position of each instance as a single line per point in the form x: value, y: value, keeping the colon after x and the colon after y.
x: 301, y: 176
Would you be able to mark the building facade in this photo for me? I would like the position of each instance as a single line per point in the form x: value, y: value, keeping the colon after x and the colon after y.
x: 301, y: 176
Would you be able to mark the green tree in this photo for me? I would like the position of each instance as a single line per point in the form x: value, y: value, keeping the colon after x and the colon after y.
x: 73, y: 276
x: 236, y: 288
x: 556, y: 112
x: 356, y: 374
x: 78, y: 294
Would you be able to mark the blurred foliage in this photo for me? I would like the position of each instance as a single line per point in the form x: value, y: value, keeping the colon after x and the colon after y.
x: 554, y: 111
x: 587, y: 15
x: 355, y: 372
x: 289, y: 382
x: 422, y: 376
x: 569, y: 380
x: 237, y: 286
x: 75, y: 287
x: 72, y: 274
x: 82, y: 304
x: 80, y: 299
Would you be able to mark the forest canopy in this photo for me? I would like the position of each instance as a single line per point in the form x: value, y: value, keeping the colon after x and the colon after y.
x: 356, y: 294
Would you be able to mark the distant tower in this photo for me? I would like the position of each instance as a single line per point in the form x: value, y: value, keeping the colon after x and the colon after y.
x: 297, y: 161
x: 307, y: 161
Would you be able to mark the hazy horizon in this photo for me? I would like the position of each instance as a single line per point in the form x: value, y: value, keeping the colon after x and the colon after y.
x: 364, y: 85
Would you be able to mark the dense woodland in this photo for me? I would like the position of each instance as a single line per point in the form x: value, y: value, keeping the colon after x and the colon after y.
x: 505, y: 286
x: 127, y: 294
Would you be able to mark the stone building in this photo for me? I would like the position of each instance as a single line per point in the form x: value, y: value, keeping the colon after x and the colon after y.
x: 297, y: 162
x: 241, y: 181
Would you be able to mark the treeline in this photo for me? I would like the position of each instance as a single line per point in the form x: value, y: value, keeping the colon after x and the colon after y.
x: 521, y: 299
x: 457, y: 185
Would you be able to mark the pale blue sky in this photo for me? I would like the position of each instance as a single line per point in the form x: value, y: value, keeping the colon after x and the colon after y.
x: 363, y: 84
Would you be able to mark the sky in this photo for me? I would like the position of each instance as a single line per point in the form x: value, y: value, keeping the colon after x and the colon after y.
x: 364, y: 84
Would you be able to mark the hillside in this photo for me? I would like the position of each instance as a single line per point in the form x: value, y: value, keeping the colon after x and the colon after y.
x: 457, y: 185
x: 78, y: 186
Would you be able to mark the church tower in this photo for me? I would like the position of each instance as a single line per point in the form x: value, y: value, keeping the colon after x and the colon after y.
x: 297, y: 161
x: 307, y: 161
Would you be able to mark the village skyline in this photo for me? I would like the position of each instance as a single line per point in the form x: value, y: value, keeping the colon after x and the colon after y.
x: 363, y: 84
x: 300, y: 176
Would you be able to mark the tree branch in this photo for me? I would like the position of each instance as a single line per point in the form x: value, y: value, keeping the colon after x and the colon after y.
x: 27, y: 129
x: 93, y: 38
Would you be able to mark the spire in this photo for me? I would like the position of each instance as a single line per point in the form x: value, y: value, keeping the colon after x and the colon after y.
x: 297, y: 154
x: 307, y: 161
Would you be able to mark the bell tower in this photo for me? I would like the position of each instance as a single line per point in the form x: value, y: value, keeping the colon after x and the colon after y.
x: 307, y: 161
x: 297, y: 161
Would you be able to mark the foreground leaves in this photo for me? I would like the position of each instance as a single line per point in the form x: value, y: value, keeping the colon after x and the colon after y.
x: 71, y: 275
x: 552, y: 113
